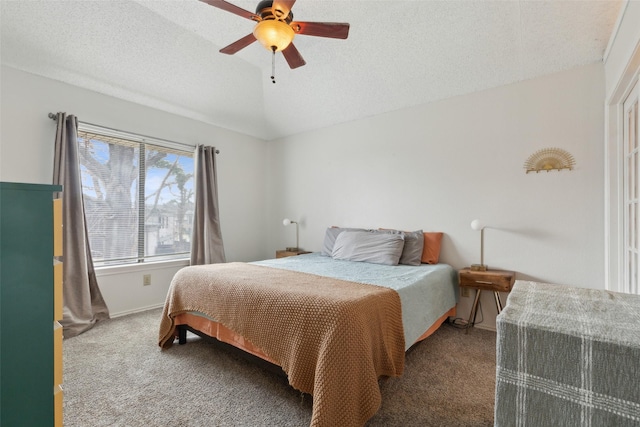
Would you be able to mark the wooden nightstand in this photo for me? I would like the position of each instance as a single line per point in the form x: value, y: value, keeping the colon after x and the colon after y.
x: 285, y: 253
x: 490, y: 280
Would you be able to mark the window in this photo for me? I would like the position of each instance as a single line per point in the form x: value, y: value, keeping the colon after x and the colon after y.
x: 138, y: 196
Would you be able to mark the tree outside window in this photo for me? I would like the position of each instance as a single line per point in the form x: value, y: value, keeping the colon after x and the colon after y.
x: 138, y: 199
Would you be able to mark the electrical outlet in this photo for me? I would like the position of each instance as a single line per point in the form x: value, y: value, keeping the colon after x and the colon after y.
x: 464, y: 291
x: 146, y: 280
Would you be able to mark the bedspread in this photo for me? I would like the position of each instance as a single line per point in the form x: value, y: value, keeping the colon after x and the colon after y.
x: 426, y: 291
x: 333, y: 338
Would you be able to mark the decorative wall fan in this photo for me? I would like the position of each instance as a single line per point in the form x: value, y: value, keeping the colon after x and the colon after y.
x: 549, y: 159
x: 275, y: 29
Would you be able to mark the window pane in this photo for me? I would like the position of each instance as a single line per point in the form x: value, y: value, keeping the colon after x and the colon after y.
x: 169, y: 201
x: 630, y: 174
x: 634, y: 125
x: 633, y: 172
x: 634, y: 279
x: 630, y: 227
x: 633, y: 272
x: 109, y: 184
x: 631, y: 127
x: 634, y: 225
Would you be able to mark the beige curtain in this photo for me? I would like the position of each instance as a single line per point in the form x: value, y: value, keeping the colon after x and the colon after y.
x: 206, y: 241
x: 83, y: 302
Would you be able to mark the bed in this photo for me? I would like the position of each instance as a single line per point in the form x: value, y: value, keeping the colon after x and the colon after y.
x: 333, y: 324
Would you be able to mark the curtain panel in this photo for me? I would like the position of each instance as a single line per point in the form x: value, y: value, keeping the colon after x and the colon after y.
x: 83, y: 302
x: 206, y: 240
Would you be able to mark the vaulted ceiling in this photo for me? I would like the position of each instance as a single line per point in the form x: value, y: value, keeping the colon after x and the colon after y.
x: 164, y: 54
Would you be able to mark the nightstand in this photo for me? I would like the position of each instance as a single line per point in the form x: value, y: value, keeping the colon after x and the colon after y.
x: 285, y: 253
x: 490, y: 280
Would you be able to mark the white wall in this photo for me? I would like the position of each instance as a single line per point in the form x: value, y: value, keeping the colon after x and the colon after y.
x: 435, y: 167
x: 26, y: 155
x: 438, y: 166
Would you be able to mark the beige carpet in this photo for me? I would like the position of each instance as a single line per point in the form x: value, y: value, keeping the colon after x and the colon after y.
x: 116, y: 375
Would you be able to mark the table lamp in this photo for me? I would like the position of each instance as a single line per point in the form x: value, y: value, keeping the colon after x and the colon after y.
x: 286, y: 222
x: 476, y: 224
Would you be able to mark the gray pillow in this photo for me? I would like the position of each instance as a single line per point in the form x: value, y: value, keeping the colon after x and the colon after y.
x: 377, y: 248
x: 413, y: 246
x: 330, y: 238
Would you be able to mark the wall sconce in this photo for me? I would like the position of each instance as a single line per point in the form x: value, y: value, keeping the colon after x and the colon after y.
x: 476, y: 224
x: 286, y: 222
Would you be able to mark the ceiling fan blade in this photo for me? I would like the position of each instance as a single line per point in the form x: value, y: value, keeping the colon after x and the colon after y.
x: 284, y: 6
x: 293, y: 57
x: 239, y: 44
x: 221, y: 4
x: 333, y: 30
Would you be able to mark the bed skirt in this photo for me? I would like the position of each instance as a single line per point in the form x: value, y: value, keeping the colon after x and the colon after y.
x: 222, y: 333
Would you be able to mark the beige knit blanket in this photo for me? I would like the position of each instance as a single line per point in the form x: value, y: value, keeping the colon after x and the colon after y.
x: 333, y: 338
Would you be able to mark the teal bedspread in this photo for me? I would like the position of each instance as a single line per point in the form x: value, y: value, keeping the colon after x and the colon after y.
x: 426, y: 291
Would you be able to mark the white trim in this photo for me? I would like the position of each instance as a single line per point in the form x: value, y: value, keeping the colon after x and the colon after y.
x: 485, y: 327
x: 619, y: 180
x: 115, y: 133
x: 613, y: 140
x: 135, y: 310
x: 614, y: 33
x: 607, y: 203
x: 112, y: 270
x: 627, y: 77
x: 630, y: 225
x: 628, y: 186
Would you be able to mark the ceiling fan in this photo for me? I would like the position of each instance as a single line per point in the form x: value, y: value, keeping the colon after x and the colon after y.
x: 275, y: 28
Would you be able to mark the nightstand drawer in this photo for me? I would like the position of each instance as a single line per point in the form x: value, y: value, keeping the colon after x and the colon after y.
x: 487, y: 280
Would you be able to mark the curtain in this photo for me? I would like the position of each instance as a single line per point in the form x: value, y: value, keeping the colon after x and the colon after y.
x: 206, y: 241
x: 83, y: 302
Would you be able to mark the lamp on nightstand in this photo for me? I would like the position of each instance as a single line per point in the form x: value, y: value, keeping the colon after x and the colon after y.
x: 286, y: 222
x: 476, y: 224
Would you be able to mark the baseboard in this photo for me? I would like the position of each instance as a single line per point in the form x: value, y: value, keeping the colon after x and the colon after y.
x: 136, y: 310
x: 485, y: 327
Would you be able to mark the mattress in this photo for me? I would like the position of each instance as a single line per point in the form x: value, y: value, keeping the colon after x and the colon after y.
x: 568, y: 356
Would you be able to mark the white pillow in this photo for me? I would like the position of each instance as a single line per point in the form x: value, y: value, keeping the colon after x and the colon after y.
x: 377, y: 248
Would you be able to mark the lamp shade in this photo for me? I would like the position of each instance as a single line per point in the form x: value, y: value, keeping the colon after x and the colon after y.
x: 477, y: 225
x: 272, y: 33
x: 286, y: 221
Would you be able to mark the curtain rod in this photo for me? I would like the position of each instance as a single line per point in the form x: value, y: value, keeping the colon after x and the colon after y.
x: 53, y: 116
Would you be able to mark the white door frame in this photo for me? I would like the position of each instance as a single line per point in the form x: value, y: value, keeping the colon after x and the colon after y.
x: 631, y: 184
x: 614, y: 179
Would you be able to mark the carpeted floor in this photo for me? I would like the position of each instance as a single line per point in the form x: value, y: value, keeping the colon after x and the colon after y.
x: 116, y: 375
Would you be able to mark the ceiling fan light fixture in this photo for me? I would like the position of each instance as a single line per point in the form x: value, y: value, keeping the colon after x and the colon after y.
x: 273, y: 32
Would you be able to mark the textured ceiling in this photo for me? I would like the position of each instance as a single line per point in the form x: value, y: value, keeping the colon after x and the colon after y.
x: 164, y: 54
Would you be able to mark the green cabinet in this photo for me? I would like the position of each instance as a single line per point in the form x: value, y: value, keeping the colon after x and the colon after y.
x: 26, y: 304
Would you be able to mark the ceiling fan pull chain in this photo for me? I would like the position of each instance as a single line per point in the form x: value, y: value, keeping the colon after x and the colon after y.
x: 273, y: 65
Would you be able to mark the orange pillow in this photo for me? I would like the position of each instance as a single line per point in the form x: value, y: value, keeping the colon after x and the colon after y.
x: 431, y: 250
